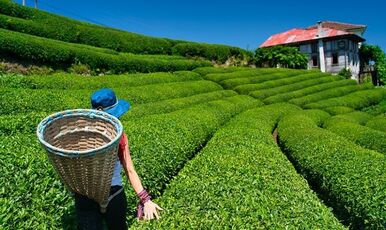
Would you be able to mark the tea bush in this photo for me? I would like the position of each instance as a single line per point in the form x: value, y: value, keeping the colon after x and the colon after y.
x: 336, y: 110
x: 255, y: 79
x: 378, y: 123
x: 356, y: 100
x: 166, y: 106
x: 361, y: 135
x: 284, y: 97
x: 264, y: 93
x: 43, y: 24
x: 72, y: 81
x: 242, y: 180
x: 60, y: 54
x: 349, y: 178
x: 14, y: 101
x: 329, y: 93
x: 245, y: 89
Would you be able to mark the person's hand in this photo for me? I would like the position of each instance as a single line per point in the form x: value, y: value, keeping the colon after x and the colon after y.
x: 150, y: 210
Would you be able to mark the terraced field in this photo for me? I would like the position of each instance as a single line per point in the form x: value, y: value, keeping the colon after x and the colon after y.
x: 202, y: 143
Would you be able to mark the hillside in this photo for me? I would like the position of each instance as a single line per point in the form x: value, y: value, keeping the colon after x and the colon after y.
x: 39, y: 23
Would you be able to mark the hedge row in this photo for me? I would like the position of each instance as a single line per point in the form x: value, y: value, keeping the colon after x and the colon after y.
x: 336, y: 110
x: 170, y: 105
x: 61, y: 55
x: 264, y: 93
x: 14, y: 101
x: 159, y: 144
x: 234, y: 82
x: 218, y: 77
x: 32, y: 196
x: 356, y: 117
x: 349, y: 178
x: 378, y: 123
x: 218, y: 53
x: 245, y: 89
x: 361, y: 135
x: 377, y: 109
x: 72, y: 81
x: 31, y: 21
x: 316, y: 115
x: 27, y: 122
x: 283, y: 97
x: 241, y: 180
x: 208, y: 70
x: 356, y: 100
x: 162, y: 144
x: 21, y: 123
x: 329, y: 93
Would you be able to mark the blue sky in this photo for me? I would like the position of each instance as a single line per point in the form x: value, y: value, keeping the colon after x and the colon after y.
x: 242, y: 23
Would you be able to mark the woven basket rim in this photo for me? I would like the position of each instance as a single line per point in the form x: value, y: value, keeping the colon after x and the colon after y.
x: 78, y: 112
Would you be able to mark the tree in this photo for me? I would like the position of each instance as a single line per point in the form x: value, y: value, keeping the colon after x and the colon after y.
x: 374, y: 53
x: 282, y: 56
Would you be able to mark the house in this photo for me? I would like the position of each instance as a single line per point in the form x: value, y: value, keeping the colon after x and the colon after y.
x: 330, y: 46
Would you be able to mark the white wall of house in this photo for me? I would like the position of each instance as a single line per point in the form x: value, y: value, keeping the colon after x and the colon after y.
x: 338, y: 54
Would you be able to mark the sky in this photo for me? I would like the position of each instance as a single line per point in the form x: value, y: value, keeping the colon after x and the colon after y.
x: 243, y: 23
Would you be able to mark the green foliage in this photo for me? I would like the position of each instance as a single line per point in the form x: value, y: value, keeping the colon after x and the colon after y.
x: 247, y: 88
x: 335, y: 110
x: 161, y: 144
x: 374, y: 53
x: 356, y: 100
x: 32, y: 196
x: 285, y: 88
x: 170, y: 105
x: 21, y: 123
x: 286, y: 96
x: 316, y: 115
x: 356, y: 117
x: 349, y: 178
x: 72, y: 81
x: 80, y: 69
x: 14, y: 101
x: 218, y: 53
x: 282, y: 56
x: 378, y: 123
x: 255, y: 79
x: 376, y: 109
x: 39, y: 23
x: 361, y: 135
x: 62, y: 55
x: 46, y: 204
x: 208, y: 70
x: 242, y: 180
x: 218, y: 77
x: 346, y: 73
x: 329, y: 93
x: 43, y: 24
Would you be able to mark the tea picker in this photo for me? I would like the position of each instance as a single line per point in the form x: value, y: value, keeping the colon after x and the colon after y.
x: 88, y: 148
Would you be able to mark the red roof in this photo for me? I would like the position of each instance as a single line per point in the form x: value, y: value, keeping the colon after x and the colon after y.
x: 338, y: 26
x: 302, y: 35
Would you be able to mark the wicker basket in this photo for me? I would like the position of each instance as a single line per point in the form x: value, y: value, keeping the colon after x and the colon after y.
x: 82, y: 145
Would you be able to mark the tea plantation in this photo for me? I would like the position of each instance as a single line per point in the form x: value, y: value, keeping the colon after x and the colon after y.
x: 217, y: 148
x: 202, y: 144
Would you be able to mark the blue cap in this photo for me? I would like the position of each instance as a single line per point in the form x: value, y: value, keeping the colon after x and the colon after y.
x: 105, y: 99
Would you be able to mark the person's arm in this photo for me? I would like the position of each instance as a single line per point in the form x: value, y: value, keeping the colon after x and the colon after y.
x: 150, y: 208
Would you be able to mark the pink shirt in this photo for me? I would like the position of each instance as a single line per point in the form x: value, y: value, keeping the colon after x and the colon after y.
x: 117, y: 179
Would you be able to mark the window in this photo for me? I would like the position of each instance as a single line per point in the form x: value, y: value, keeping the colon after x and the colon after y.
x: 314, y: 47
x: 335, y: 60
x: 314, y: 61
